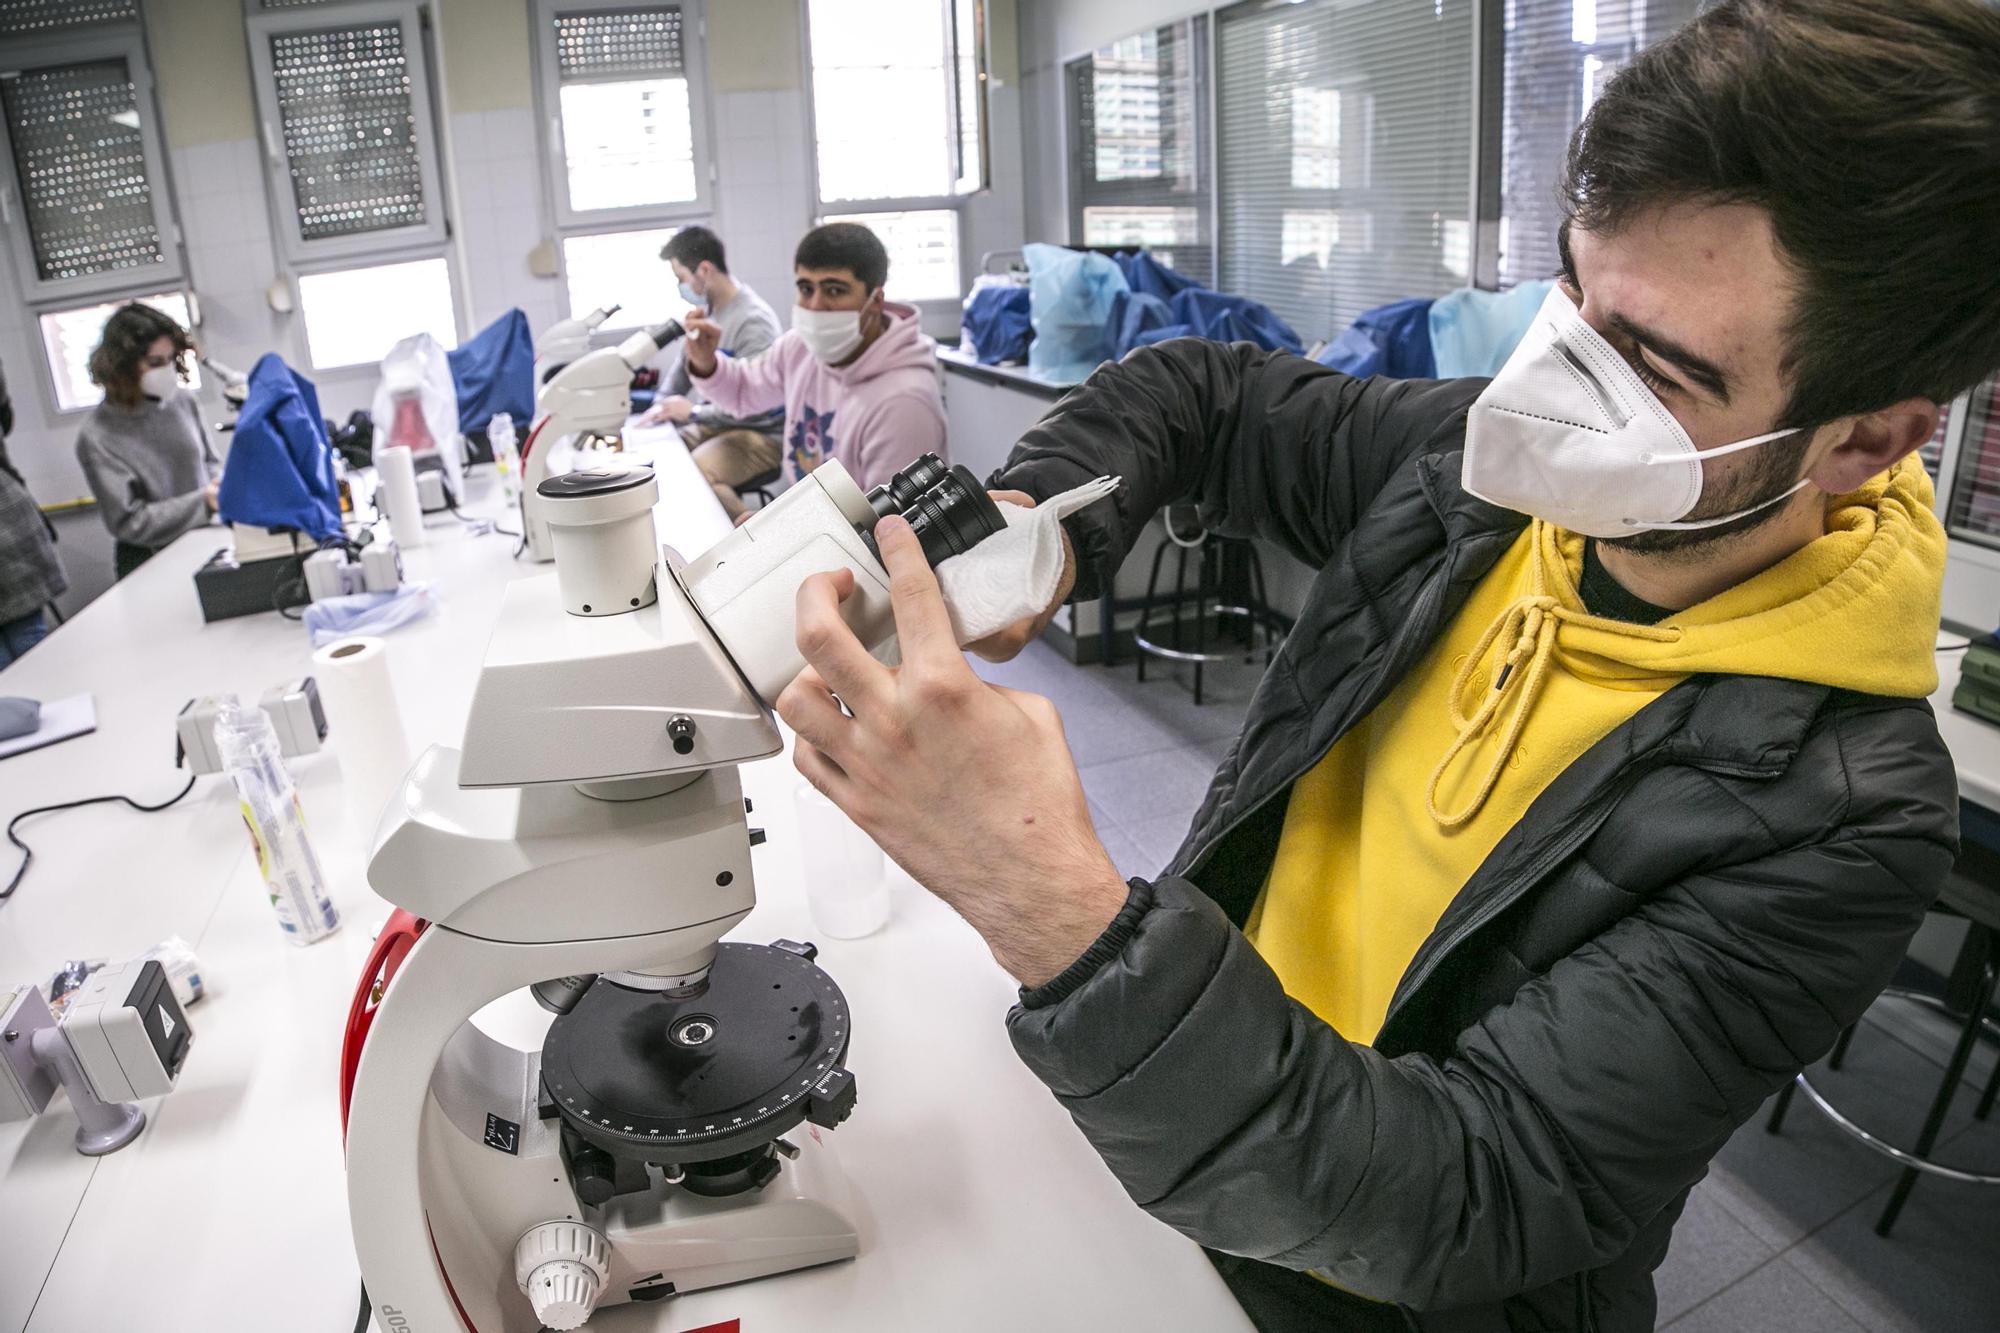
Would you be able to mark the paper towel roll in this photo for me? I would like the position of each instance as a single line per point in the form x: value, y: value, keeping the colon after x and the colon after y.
x: 396, y: 495
x: 364, y: 725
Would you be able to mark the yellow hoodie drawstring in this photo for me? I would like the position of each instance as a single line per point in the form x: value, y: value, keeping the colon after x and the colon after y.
x: 1531, y: 623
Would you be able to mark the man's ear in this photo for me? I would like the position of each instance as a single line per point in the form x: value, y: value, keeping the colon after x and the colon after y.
x: 1875, y: 442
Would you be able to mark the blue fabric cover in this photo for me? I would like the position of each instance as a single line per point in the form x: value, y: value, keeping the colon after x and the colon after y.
x: 999, y: 323
x: 1392, y: 340
x: 494, y: 372
x: 1143, y: 273
x: 1474, y: 332
x: 1139, y: 319
x: 279, y: 473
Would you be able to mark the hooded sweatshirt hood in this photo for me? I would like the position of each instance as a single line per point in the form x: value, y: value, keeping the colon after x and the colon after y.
x: 1855, y: 609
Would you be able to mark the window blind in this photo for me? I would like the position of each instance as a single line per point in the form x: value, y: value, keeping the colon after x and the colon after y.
x: 618, y: 44
x: 41, y: 18
x: 1558, y: 56
x: 349, y: 127
x: 1974, y: 510
x: 1139, y: 152
x: 1345, y: 154
x: 80, y: 158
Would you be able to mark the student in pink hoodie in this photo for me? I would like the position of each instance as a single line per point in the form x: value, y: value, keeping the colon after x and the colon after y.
x: 855, y: 374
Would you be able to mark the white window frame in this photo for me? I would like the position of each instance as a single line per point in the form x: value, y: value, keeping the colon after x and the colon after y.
x: 170, y: 274
x: 548, y: 102
x: 364, y: 249
x: 823, y: 207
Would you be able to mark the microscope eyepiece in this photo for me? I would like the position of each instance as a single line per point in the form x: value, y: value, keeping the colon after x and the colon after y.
x: 898, y: 494
x: 946, y: 507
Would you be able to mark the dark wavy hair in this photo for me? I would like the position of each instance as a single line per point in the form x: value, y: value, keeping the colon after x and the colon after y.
x: 848, y: 245
x: 1869, y: 130
x: 133, y: 328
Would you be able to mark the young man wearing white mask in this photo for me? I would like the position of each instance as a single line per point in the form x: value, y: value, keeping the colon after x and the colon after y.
x: 856, y: 376
x: 729, y: 450
x: 1596, y: 790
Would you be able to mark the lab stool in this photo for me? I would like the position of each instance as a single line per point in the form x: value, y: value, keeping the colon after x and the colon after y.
x: 760, y: 486
x: 1228, y: 584
x: 1970, y: 988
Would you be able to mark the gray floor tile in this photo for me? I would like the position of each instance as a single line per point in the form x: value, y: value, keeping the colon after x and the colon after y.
x: 1785, y: 1185
x: 1159, y: 839
x: 1148, y: 787
x: 1775, y: 1298
x: 1167, y: 696
x: 1935, y: 1273
x: 1130, y: 858
x: 1933, y: 1035
x: 1710, y: 1250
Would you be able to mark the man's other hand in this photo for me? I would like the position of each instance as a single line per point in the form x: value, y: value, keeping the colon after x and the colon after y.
x: 704, y: 336
x: 673, y: 408
x: 1003, y: 645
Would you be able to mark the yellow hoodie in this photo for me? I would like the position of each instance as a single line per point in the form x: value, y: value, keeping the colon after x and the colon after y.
x: 1382, y: 833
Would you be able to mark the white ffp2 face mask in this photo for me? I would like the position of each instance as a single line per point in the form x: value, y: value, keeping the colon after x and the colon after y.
x: 159, y: 382
x: 831, y: 335
x: 1569, y: 433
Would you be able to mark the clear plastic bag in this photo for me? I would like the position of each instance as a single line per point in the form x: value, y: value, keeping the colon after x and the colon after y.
x: 416, y: 404
x: 1070, y: 295
x: 367, y: 612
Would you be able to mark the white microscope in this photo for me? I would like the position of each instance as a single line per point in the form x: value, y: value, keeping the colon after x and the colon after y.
x: 590, y: 844
x: 588, y: 397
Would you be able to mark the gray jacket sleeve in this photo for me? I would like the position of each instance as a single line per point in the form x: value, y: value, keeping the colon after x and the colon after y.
x: 131, y: 514
x: 1266, y: 443
x: 1558, y: 1125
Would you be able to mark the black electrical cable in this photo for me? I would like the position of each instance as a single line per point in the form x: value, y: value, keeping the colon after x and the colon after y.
x: 361, y: 1320
x: 28, y: 853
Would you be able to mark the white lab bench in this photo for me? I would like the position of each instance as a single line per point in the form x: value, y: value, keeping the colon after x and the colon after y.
x: 979, y: 1205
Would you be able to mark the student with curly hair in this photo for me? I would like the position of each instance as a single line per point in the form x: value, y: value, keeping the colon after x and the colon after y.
x: 143, y: 450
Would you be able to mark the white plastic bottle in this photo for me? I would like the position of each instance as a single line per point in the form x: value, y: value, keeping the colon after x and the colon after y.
x: 506, y: 455
x: 248, y: 745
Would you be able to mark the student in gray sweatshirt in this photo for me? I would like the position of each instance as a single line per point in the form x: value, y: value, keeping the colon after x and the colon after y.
x: 143, y: 450
x: 729, y: 450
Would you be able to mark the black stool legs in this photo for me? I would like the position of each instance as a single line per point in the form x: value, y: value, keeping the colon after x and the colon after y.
x: 1961, y: 1054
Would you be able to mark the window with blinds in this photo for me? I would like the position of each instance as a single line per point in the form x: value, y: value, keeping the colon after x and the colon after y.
x: 899, y: 129
x: 1344, y: 154
x: 625, y: 109
x: 1138, y: 146
x: 1974, y: 509
x: 81, y: 163
x: 348, y: 129
x: 43, y: 18
x: 1558, y: 55
x: 84, y: 212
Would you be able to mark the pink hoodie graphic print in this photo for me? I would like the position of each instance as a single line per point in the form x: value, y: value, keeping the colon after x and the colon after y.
x: 875, y: 415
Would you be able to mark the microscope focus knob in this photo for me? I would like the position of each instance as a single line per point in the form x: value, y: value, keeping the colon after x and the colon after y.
x: 561, y: 1266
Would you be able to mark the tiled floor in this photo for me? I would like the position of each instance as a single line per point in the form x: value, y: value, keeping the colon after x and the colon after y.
x: 1780, y: 1237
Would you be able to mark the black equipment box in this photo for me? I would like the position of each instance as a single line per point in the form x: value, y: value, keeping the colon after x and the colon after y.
x: 227, y: 589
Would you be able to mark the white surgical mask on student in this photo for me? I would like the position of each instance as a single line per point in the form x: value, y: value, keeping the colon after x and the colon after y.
x: 159, y: 382
x: 1568, y: 432
x: 831, y: 335
x: 693, y: 297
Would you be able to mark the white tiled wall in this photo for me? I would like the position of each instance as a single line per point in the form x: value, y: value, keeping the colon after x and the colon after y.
x: 763, y: 191
x: 495, y: 164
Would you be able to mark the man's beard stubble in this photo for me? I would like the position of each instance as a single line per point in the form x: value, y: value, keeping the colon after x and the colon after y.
x: 1774, y: 468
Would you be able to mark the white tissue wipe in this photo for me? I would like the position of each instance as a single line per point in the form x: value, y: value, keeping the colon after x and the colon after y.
x: 1012, y: 575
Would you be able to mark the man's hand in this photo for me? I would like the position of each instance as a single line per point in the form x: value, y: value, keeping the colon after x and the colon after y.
x: 672, y: 408
x: 968, y: 786
x: 209, y: 494
x: 1004, y: 645
x: 704, y: 335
